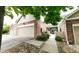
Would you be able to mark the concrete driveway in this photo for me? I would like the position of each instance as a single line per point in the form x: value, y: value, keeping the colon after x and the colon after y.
x: 9, y: 41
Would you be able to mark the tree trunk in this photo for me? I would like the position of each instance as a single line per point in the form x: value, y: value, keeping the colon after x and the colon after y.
x: 2, y: 11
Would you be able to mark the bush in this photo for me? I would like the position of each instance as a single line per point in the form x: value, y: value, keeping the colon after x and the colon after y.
x: 58, y: 38
x: 43, y: 37
x: 5, y: 29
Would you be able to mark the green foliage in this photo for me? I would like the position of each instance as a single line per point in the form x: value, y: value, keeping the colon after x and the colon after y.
x: 8, y: 12
x: 51, y: 13
x: 45, y: 34
x: 43, y: 37
x: 5, y: 29
x: 58, y: 38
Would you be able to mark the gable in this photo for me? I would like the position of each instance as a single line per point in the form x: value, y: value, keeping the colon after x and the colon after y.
x: 27, y: 18
x: 76, y: 14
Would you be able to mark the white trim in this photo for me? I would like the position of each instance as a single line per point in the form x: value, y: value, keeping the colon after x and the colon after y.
x: 75, y: 25
x: 66, y: 34
x: 73, y: 18
x: 71, y: 13
x: 74, y: 34
x: 67, y: 38
x: 26, y: 25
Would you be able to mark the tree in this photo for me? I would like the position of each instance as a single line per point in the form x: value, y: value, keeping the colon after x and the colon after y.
x: 2, y: 11
x: 51, y: 13
x: 6, y: 29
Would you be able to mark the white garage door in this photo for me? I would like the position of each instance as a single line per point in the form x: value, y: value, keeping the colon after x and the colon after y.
x: 76, y: 34
x: 26, y: 31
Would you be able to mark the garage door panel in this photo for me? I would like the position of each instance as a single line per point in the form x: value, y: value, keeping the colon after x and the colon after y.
x: 26, y: 31
x: 76, y: 32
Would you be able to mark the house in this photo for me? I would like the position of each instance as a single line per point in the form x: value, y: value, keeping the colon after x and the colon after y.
x: 52, y: 28
x: 27, y: 26
x: 70, y: 27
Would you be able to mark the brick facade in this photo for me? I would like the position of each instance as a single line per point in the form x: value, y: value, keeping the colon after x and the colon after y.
x: 37, y: 29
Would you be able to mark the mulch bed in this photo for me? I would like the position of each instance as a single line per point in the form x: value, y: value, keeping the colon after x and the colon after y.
x: 23, y: 48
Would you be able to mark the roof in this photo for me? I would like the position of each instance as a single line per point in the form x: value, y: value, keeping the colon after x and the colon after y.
x: 18, y: 19
x: 27, y: 18
x: 67, y: 17
x: 73, y: 12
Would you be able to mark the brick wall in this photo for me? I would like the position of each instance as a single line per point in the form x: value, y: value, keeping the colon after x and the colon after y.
x: 62, y: 28
x: 37, y: 29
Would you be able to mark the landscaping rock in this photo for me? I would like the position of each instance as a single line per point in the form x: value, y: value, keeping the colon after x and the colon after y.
x: 63, y: 47
x: 26, y: 47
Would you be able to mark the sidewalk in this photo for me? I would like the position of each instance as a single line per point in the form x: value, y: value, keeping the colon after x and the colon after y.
x: 50, y: 46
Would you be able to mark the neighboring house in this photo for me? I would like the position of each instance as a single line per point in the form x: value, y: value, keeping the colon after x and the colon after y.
x: 27, y: 27
x: 70, y: 27
x: 53, y: 29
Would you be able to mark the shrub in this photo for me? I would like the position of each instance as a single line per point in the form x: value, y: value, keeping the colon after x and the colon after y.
x: 5, y: 29
x: 43, y: 37
x: 58, y: 38
x: 45, y: 34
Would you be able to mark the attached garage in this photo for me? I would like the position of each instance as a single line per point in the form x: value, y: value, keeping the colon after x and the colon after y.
x: 26, y: 27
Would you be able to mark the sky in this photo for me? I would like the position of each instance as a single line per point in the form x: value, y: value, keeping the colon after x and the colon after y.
x: 8, y: 20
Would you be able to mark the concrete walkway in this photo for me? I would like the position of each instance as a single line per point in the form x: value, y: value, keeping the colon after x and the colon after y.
x: 50, y: 46
x: 9, y: 41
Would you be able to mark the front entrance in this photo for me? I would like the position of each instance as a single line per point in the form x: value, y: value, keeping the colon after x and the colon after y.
x: 76, y: 34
